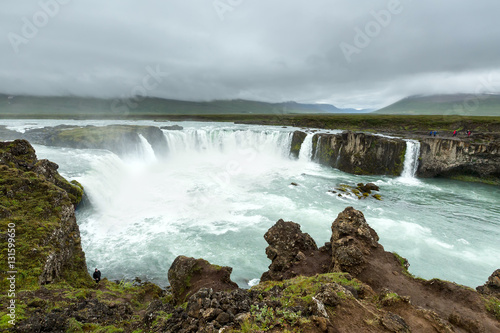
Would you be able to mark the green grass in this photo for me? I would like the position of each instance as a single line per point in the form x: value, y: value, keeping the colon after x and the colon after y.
x: 493, y: 306
x: 300, y: 290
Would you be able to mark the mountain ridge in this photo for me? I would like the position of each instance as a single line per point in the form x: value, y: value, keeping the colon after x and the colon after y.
x: 72, y: 105
x: 465, y: 104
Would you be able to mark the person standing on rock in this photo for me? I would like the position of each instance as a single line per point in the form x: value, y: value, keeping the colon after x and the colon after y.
x: 455, y: 133
x: 97, y: 275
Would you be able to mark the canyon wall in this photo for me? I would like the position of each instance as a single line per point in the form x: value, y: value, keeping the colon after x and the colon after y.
x: 360, y: 153
x: 454, y: 157
x: 368, y: 154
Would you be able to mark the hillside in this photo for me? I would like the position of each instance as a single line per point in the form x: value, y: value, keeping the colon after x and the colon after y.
x: 459, y: 104
x: 23, y: 106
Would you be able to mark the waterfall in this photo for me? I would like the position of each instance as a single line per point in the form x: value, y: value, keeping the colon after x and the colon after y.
x: 306, y: 148
x: 337, y: 160
x: 222, y: 140
x: 411, y: 159
x: 147, y: 151
x: 318, y: 150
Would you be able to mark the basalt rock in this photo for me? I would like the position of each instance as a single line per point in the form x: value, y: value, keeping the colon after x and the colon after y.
x: 297, y: 140
x: 452, y: 157
x: 188, y: 275
x: 360, y: 153
x: 172, y: 128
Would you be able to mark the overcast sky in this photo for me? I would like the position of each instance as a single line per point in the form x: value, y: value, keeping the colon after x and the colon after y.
x: 365, y: 53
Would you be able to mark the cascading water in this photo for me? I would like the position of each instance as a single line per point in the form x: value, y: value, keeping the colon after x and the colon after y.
x: 318, y: 150
x: 221, y: 187
x: 306, y: 149
x: 146, y: 149
x: 217, y: 140
x: 410, y: 165
x: 337, y: 160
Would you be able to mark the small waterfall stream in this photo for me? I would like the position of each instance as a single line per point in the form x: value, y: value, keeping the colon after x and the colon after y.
x: 306, y: 149
x: 411, y: 159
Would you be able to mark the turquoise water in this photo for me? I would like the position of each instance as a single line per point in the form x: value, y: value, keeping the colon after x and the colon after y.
x: 223, y: 186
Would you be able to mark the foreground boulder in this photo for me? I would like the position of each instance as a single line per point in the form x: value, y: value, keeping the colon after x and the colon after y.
x: 492, y: 286
x: 352, y: 241
x: 39, y: 204
x: 188, y: 275
x: 292, y: 253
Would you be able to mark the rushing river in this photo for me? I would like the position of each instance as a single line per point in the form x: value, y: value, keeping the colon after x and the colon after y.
x: 223, y: 186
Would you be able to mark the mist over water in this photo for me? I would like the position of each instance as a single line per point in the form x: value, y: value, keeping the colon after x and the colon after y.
x: 223, y: 186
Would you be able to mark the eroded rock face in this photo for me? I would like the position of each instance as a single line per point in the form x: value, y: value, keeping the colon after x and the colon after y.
x: 492, y: 286
x: 188, y: 275
x: 360, y: 153
x: 448, y: 157
x: 352, y: 241
x: 297, y: 140
x: 40, y: 203
x: 287, y: 244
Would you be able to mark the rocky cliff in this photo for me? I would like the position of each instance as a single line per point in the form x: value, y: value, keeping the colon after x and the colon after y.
x: 357, y: 153
x: 39, y: 205
x: 454, y: 157
x: 368, y: 154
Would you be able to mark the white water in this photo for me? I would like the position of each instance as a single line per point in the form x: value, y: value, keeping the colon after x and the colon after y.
x: 223, y: 186
x: 147, y: 150
x: 410, y: 165
x: 306, y: 149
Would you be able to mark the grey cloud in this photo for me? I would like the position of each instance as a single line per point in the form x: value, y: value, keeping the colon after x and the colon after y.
x: 266, y: 50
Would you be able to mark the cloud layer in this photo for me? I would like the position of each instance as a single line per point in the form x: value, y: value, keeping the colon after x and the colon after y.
x: 348, y: 53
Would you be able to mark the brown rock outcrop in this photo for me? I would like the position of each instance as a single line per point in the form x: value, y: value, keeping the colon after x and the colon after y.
x: 492, y: 286
x: 188, y: 275
x: 352, y: 241
x: 292, y: 253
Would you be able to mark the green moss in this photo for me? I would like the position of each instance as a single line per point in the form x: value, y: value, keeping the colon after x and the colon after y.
x: 96, y: 328
x: 301, y: 290
x: 404, y: 264
x: 475, y: 179
x: 74, y: 326
x: 493, y: 306
x: 35, y: 207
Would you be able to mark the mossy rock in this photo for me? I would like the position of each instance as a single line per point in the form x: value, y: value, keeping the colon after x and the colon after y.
x: 36, y: 206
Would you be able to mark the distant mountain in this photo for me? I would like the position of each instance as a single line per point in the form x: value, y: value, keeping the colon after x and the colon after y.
x: 457, y: 104
x: 73, y: 106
